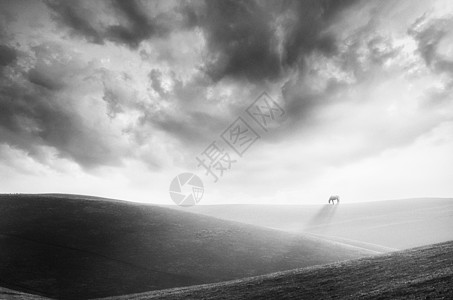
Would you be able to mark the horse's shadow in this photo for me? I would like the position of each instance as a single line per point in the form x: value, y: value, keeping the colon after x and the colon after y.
x: 323, y: 216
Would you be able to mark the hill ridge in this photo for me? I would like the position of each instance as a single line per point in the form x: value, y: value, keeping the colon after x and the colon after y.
x: 431, y: 276
x: 78, y: 248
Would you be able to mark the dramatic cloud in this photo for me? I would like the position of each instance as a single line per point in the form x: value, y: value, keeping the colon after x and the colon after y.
x: 37, y: 110
x: 434, y: 38
x: 77, y: 18
x: 124, y: 22
x: 7, y: 55
x: 258, y: 40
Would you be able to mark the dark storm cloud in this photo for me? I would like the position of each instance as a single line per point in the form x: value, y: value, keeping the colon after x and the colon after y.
x: 301, y: 106
x: 42, y: 79
x: 305, y: 25
x: 429, y: 34
x: 253, y: 40
x: 7, y: 55
x: 140, y: 27
x: 191, y: 128
x: 76, y: 18
x: 190, y: 121
x: 241, y: 40
x: 258, y: 39
x: 35, y: 114
x: 363, y: 54
x: 246, y: 39
x: 428, y: 37
x: 30, y: 119
x: 133, y: 21
x: 186, y: 117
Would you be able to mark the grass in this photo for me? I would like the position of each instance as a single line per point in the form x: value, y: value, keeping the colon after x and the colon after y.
x: 420, y: 273
x: 78, y: 247
x: 9, y: 294
x: 396, y: 224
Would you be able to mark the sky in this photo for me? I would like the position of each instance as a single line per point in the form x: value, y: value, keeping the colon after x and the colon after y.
x: 116, y: 98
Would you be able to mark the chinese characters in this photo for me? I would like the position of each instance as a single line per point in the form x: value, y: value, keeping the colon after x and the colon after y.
x: 239, y: 137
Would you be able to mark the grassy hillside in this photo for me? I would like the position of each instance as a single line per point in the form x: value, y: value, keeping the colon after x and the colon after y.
x: 421, y: 273
x: 9, y: 294
x: 396, y: 224
x: 76, y: 247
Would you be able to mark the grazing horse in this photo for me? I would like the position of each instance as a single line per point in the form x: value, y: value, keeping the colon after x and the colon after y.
x: 333, y: 198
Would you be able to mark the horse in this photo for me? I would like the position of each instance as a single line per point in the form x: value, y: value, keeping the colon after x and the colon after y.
x: 333, y: 198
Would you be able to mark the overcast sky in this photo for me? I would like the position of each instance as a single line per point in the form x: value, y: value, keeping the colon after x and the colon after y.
x: 115, y: 98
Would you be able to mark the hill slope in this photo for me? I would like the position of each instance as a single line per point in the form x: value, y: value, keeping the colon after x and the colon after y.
x: 15, y: 295
x: 76, y: 247
x: 420, y: 273
x: 396, y: 224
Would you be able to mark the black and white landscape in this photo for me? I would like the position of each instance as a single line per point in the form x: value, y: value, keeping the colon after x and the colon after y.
x: 226, y: 149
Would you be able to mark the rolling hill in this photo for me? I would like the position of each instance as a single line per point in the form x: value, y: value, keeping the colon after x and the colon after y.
x: 9, y: 294
x: 78, y: 247
x: 420, y: 273
x: 380, y: 225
